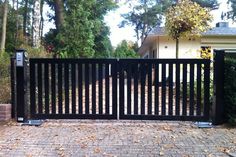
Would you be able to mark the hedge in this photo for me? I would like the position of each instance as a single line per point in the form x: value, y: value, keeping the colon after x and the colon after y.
x: 230, y: 90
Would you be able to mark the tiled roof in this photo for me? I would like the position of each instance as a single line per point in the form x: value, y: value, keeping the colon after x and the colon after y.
x: 159, y: 31
x: 219, y: 31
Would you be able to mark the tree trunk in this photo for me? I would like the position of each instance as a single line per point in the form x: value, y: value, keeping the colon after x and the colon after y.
x: 59, y: 13
x: 17, y: 22
x: 4, y: 26
x: 13, y: 4
x: 177, y: 48
x: 36, y: 24
x: 42, y: 20
x: 25, y: 17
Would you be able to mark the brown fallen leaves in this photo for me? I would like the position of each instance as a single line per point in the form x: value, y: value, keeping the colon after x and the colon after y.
x: 97, y: 150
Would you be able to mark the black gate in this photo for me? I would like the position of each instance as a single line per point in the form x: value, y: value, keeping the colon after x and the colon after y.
x: 170, y: 89
x: 161, y: 89
x: 73, y: 88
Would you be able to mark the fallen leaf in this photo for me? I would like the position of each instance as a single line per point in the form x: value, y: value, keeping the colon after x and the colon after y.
x: 205, y: 150
x: 167, y: 128
x: 224, y: 150
x: 161, y: 153
x: 97, y: 150
x: 136, y: 141
x: 168, y: 146
x: 83, y: 145
x: 209, y: 155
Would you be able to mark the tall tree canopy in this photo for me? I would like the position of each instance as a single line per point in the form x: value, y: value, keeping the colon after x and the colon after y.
x: 211, y: 4
x: 83, y: 32
x: 232, y: 13
x: 144, y: 16
x: 186, y: 19
x: 147, y: 14
x: 125, y: 50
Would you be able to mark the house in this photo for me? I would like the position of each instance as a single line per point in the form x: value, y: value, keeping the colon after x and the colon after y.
x: 159, y: 45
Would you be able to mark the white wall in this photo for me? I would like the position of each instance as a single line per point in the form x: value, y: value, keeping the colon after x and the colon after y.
x: 165, y: 47
x: 187, y: 48
x: 226, y: 42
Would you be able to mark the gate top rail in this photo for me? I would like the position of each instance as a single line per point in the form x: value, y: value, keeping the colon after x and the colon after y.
x: 202, y: 61
x: 95, y: 60
x: 70, y: 60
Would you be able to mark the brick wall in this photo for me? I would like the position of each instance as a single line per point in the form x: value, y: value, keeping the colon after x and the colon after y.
x: 5, y: 112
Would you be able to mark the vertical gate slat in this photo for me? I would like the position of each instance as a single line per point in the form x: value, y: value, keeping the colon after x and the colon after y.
x: 136, y: 78
x: 206, y: 89
x: 128, y: 89
x: 66, y: 83
x: 143, y: 81
x: 32, y: 88
x: 40, y: 88
x: 87, y: 67
x: 199, y: 89
x: 107, y: 93
x: 150, y: 88
x: 163, y: 92
x: 73, y: 91
x: 46, y: 86
x: 184, y: 107
x: 191, y: 89
x: 114, y: 89
x: 170, y: 89
x: 121, y: 88
x: 100, y: 88
x: 53, y: 88
x: 80, y: 88
x: 157, y: 89
x: 94, y: 72
x: 60, y: 87
x: 177, y: 83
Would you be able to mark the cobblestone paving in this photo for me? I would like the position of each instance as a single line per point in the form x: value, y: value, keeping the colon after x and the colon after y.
x: 87, y: 138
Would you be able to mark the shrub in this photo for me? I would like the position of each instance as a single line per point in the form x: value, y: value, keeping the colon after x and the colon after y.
x: 230, y: 90
x: 37, y: 52
x: 5, y: 89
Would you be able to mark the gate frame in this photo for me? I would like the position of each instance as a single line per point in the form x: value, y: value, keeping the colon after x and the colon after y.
x: 19, y: 98
x: 218, y: 109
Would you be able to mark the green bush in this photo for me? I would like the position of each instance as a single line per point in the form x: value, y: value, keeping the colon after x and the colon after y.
x: 230, y: 90
x: 37, y: 52
x: 5, y: 89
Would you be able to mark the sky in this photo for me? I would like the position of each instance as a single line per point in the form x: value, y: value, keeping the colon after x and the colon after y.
x: 113, y: 19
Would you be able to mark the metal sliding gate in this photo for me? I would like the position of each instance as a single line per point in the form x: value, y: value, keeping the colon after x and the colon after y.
x: 170, y: 89
x: 161, y: 89
x: 73, y: 88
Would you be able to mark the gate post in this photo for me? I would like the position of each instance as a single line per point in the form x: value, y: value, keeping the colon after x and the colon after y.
x: 13, y: 91
x: 218, y: 100
x: 20, y: 85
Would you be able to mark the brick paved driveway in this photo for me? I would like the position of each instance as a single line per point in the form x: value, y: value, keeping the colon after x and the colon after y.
x: 115, y: 138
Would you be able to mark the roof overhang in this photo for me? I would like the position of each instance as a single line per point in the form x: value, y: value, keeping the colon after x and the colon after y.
x: 147, y: 43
